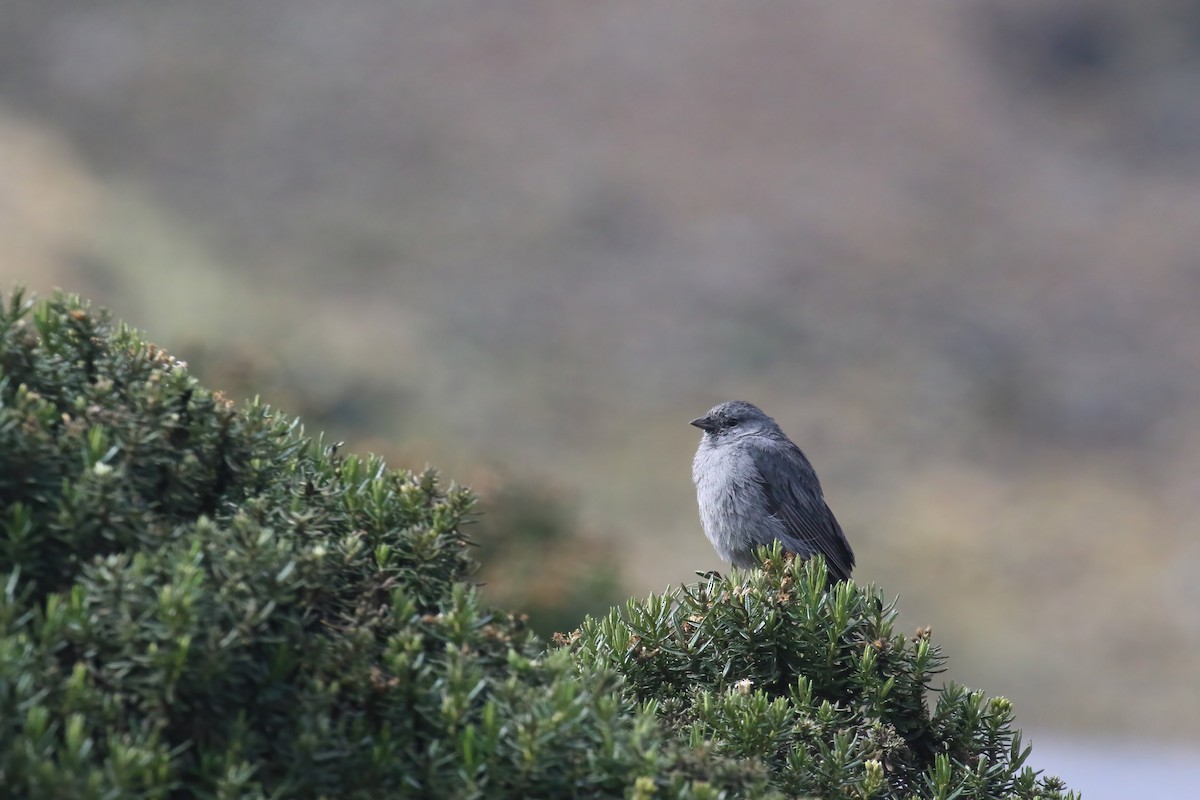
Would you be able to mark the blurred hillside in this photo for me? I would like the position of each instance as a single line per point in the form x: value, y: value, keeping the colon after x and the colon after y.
x: 953, y: 249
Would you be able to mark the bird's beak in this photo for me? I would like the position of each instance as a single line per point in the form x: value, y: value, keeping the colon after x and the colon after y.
x: 703, y: 423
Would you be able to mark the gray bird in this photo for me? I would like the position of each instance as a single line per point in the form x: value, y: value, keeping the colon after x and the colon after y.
x: 754, y: 486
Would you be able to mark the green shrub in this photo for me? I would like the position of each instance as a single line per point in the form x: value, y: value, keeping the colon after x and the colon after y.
x: 768, y: 667
x: 198, y: 601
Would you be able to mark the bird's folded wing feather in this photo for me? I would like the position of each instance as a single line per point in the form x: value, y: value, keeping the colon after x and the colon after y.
x: 794, y: 497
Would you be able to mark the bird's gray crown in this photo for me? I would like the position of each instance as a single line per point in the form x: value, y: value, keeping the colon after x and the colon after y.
x: 733, y: 415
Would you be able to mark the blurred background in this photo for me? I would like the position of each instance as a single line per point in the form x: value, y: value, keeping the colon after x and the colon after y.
x: 953, y: 248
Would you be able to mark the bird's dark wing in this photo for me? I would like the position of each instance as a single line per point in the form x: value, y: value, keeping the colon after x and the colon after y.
x: 794, y: 497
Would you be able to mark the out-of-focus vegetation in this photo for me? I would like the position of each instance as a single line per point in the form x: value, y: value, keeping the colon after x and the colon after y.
x: 953, y: 251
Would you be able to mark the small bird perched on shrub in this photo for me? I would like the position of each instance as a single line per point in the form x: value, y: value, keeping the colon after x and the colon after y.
x: 754, y: 486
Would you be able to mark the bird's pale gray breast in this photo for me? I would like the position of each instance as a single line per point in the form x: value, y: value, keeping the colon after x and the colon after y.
x: 731, y: 497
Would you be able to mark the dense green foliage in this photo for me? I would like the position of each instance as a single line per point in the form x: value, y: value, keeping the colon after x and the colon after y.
x: 769, y: 667
x: 197, y: 601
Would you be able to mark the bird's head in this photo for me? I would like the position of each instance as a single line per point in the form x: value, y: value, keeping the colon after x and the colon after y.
x: 735, y: 418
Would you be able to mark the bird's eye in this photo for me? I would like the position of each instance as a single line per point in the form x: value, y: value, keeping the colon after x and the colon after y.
x: 729, y: 422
